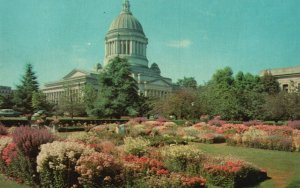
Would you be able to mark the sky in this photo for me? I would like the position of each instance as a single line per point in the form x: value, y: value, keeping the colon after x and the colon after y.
x: 191, y: 38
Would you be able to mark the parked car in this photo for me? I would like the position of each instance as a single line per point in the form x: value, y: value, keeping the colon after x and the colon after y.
x: 40, y: 113
x: 9, y: 113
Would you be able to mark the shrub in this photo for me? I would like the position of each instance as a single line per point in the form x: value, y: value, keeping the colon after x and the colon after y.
x: 56, y: 163
x: 183, y: 159
x: 136, y: 146
x: 232, y: 173
x: 8, y: 153
x: 4, y: 141
x: 216, y: 122
x: 173, y: 180
x: 99, y: 170
x: 3, y: 130
x: 29, y: 140
x: 158, y: 141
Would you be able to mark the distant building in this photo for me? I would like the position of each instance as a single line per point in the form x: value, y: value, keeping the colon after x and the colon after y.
x: 5, y: 90
x: 72, y: 84
x: 125, y: 39
x: 288, y: 78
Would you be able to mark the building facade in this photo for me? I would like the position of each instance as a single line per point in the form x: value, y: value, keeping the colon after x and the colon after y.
x: 73, y: 84
x: 288, y: 78
x: 125, y: 39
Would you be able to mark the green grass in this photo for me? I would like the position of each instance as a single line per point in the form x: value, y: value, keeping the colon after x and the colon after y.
x: 283, y: 167
x: 6, y: 183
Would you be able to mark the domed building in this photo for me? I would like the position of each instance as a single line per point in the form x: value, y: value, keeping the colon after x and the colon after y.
x: 126, y: 39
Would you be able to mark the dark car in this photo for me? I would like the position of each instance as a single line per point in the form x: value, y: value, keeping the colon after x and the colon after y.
x: 9, y: 113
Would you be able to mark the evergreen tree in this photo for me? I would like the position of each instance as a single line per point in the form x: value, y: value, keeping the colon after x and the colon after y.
x: 118, y: 91
x: 24, y: 92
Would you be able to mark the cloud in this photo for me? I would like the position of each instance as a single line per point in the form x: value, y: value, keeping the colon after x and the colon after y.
x: 185, y: 43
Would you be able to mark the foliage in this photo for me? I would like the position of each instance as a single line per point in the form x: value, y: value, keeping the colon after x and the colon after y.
x: 266, y: 137
x: 118, y: 94
x: 99, y: 170
x: 232, y: 173
x: 29, y: 140
x: 136, y: 146
x: 182, y: 104
x: 56, y: 163
x: 23, y: 94
x: 183, y: 159
x: 283, y: 106
x: 89, y: 98
x: 6, y: 101
x: 70, y: 103
x: 270, y: 84
x: 39, y: 101
x: 187, y: 82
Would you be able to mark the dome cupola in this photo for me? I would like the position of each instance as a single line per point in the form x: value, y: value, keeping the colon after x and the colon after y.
x: 126, y: 39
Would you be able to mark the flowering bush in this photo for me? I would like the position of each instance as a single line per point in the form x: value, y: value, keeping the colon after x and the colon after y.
x: 183, y: 158
x: 232, y: 173
x: 216, y: 121
x: 136, y: 146
x: 4, y: 140
x: 8, y: 153
x: 98, y: 170
x: 144, y: 165
x: 172, y: 180
x: 28, y: 140
x: 56, y: 163
x: 266, y: 137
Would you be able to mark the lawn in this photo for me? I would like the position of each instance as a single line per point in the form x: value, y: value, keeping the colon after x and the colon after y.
x: 283, y: 167
x: 6, y: 183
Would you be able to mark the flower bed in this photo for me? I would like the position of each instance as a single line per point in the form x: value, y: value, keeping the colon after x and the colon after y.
x: 87, y: 159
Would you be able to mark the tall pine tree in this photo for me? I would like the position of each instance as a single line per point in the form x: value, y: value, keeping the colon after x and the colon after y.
x: 118, y: 94
x: 24, y: 92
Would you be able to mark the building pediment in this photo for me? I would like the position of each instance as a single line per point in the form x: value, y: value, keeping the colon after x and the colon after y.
x: 159, y: 82
x: 76, y: 73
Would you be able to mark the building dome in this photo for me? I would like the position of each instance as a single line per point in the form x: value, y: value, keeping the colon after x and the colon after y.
x: 126, y: 39
x: 126, y: 21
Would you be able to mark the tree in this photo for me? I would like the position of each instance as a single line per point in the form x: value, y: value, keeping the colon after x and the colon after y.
x: 187, y: 82
x: 283, y: 106
x: 250, y: 97
x: 220, y: 96
x: 118, y: 94
x: 270, y: 84
x: 24, y: 92
x: 89, y: 98
x: 71, y: 103
x: 183, y: 104
x: 39, y: 101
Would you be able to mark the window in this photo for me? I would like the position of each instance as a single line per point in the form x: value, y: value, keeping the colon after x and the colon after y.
x: 285, y: 87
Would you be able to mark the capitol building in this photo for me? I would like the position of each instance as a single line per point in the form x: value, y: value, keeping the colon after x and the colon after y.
x: 125, y: 39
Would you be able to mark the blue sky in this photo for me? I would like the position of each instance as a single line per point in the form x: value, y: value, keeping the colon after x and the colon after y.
x: 190, y: 38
